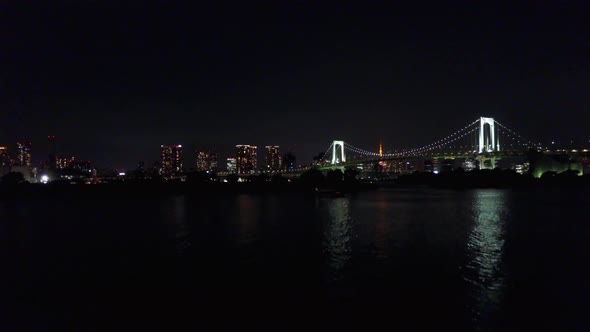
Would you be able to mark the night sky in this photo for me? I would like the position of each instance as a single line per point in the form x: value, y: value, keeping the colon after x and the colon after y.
x: 114, y: 81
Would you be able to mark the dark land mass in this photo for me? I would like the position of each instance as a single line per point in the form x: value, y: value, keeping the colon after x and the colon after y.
x: 310, y: 183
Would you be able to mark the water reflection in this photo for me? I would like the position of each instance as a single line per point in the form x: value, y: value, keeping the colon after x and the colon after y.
x: 247, y: 215
x: 245, y: 230
x: 383, y: 226
x: 337, y: 237
x: 485, y: 249
x: 173, y: 210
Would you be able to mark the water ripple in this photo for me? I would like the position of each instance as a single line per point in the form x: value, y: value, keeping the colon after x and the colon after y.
x: 483, y: 270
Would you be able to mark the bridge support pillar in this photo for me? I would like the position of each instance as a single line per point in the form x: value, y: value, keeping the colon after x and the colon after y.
x: 484, y: 141
x: 487, y: 162
x: 335, y: 146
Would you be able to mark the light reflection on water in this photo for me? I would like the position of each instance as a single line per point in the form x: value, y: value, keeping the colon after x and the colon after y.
x: 383, y: 227
x: 173, y: 212
x: 485, y: 247
x: 337, y: 237
x: 495, y: 260
x: 247, y: 218
x: 247, y: 233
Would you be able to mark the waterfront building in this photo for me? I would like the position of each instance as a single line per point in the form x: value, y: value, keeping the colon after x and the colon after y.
x: 272, y: 157
x: 231, y: 165
x: 246, y: 159
x: 206, y: 161
x: 4, y: 156
x: 23, y: 154
x: 171, y: 163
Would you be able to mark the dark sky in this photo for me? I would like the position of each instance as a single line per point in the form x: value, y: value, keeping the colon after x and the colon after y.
x: 114, y: 81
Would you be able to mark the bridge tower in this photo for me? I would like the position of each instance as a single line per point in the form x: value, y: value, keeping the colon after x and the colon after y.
x: 490, y: 139
x: 335, y: 159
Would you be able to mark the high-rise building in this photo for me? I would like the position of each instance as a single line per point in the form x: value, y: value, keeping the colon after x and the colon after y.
x: 4, y: 156
x: 206, y: 161
x: 23, y: 154
x: 171, y: 160
x: 246, y: 158
x: 232, y: 165
x: 80, y: 165
x: 5, y: 161
x: 272, y: 157
x: 213, y: 162
x: 202, y: 162
x: 62, y: 162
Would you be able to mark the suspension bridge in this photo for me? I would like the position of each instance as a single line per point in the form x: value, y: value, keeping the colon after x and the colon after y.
x: 483, y: 143
x: 484, y: 139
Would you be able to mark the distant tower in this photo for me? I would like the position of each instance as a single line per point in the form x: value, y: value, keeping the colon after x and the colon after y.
x: 381, y: 163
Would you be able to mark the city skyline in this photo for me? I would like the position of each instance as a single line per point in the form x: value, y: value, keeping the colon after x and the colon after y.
x: 22, y: 151
x: 42, y: 157
x: 114, y: 81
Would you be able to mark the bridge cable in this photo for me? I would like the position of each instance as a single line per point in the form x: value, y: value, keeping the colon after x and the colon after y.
x: 538, y: 145
x: 439, y: 142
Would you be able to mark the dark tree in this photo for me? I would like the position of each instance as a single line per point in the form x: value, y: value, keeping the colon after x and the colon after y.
x: 570, y: 172
x: 350, y: 175
x: 12, y: 178
x: 548, y: 174
x: 312, y: 177
x: 334, y: 176
x: 459, y: 170
x: 278, y: 178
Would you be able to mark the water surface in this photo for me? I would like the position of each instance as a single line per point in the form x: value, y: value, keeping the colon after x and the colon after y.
x: 476, y: 260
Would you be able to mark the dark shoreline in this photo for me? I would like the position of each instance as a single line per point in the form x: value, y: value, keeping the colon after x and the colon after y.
x: 166, y: 188
x: 155, y: 188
